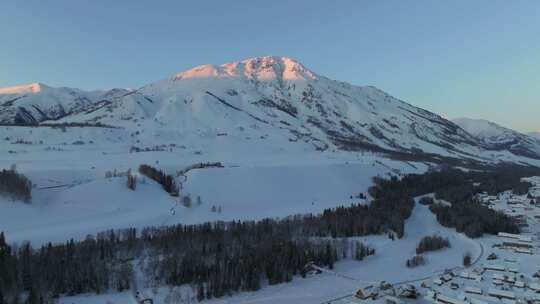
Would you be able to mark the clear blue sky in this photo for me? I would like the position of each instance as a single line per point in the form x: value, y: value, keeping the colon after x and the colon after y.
x: 478, y: 58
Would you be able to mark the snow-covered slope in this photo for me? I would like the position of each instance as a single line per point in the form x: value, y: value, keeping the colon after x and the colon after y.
x: 497, y: 137
x: 535, y: 134
x: 265, y: 101
x: 34, y: 103
x: 278, y: 97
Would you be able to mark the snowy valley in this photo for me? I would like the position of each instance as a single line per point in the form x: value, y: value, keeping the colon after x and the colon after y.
x: 285, y: 142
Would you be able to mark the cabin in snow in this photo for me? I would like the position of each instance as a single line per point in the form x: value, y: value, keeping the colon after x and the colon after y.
x: 508, y: 235
x: 438, y: 281
x: 473, y: 290
x: 523, y: 250
x: 501, y: 294
x: 477, y: 301
x: 519, y: 284
x: 408, y: 291
x: 504, y: 277
x: 495, y: 267
x: 448, y: 300
x: 366, y: 293
x: 446, y: 277
x: 517, y: 244
x: 470, y: 276
x: 534, y: 287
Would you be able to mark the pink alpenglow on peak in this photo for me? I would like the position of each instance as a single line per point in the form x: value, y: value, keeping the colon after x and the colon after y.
x: 201, y: 71
x: 22, y: 89
x: 266, y: 68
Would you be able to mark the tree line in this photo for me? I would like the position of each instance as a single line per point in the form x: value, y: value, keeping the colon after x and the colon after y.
x: 471, y: 217
x: 166, y: 181
x: 15, y: 185
x: 459, y: 188
x: 217, y: 258
x: 474, y: 219
x: 432, y: 243
x: 222, y: 258
x: 417, y: 260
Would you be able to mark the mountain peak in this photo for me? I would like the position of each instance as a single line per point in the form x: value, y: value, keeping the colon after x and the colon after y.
x: 265, y: 68
x: 23, y: 89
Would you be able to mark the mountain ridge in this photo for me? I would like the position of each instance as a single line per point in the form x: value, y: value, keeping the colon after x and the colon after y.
x: 535, y: 134
x: 262, y: 97
x: 498, y: 137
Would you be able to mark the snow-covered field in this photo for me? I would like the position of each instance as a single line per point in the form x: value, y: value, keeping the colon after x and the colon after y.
x: 72, y: 197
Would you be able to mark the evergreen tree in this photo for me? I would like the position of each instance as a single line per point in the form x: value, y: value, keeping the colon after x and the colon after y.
x: 33, y: 297
x: 200, y: 292
x: 131, y: 180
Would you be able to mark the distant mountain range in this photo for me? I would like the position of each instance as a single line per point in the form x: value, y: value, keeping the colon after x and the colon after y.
x: 535, y: 134
x: 496, y: 137
x: 264, y: 98
x: 34, y: 103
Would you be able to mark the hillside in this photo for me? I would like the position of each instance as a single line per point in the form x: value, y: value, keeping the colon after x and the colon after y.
x: 34, y: 103
x: 249, y: 100
x: 535, y: 134
x: 258, y: 104
x: 499, y: 138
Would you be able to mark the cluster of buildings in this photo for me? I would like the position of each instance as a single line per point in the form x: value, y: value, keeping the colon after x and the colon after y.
x: 489, y: 284
x: 534, y: 191
x: 511, y: 272
x: 520, y: 207
x: 498, y: 281
x: 515, y: 242
x: 508, y: 273
x: 387, y: 292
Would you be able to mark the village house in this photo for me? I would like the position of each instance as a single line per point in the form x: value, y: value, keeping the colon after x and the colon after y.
x: 534, y: 287
x: 504, y: 278
x: 501, y: 294
x: 448, y: 300
x: 477, y: 301
x: 366, y: 293
x: 494, y: 267
x: 470, y: 276
x: 446, y: 277
x: 508, y: 235
x: 473, y: 290
x: 517, y: 244
x: 519, y: 284
x: 523, y: 250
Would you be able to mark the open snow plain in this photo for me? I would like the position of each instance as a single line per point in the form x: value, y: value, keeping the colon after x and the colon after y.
x: 72, y: 197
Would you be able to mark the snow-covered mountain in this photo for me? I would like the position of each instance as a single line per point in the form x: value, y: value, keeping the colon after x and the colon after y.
x: 497, y: 137
x: 275, y: 100
x: 535, y: 134
x: 36, y: 102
